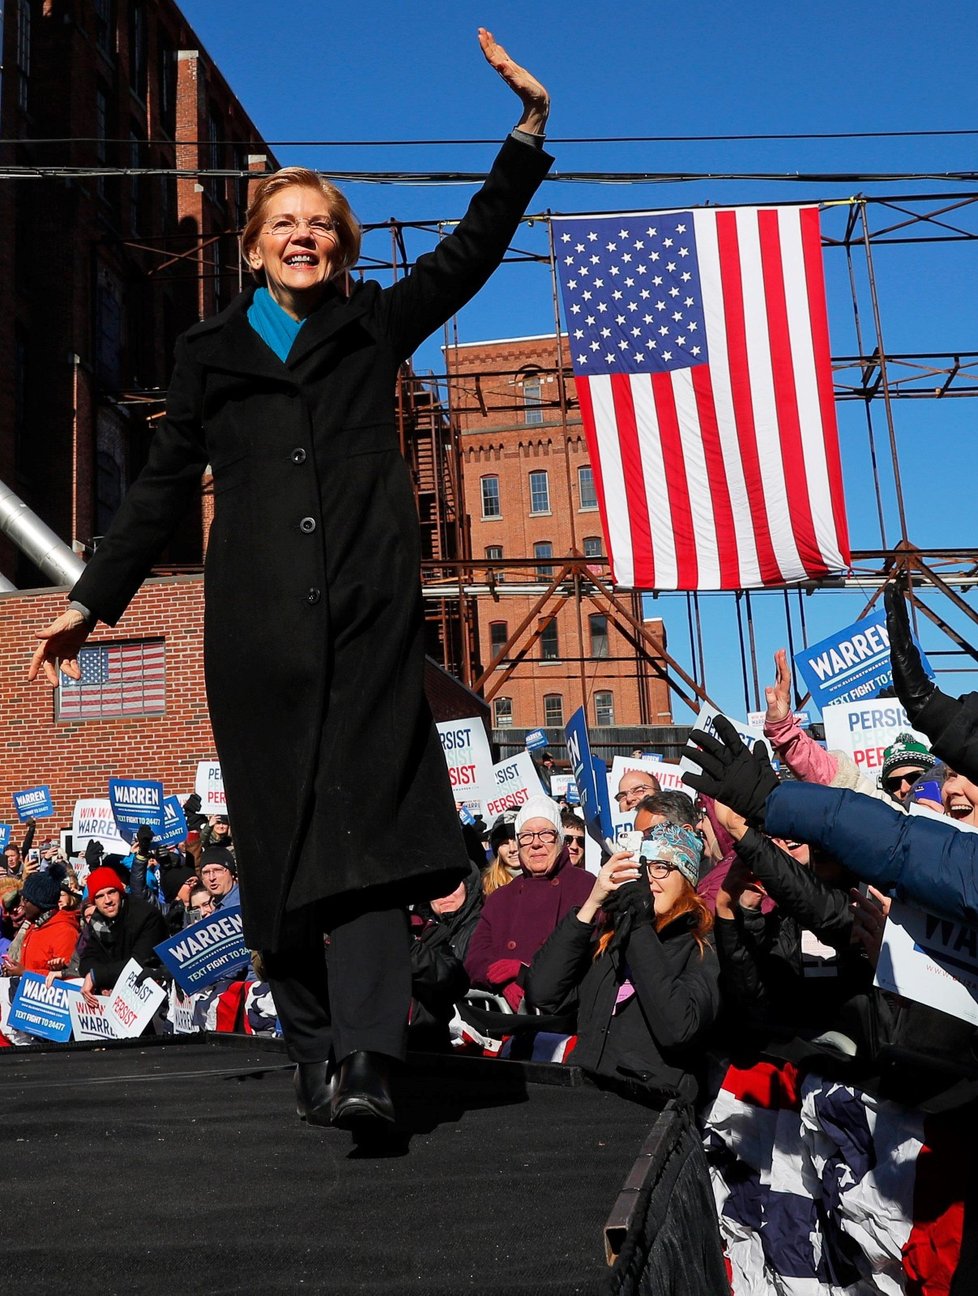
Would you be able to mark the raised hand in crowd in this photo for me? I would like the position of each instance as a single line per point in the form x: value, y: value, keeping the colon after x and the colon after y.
x: 869, y: 914
x: 732, y: 773
x: 60, y: 642
x: 913, y: 687
x: 778, y: 694
x: 619, y: 870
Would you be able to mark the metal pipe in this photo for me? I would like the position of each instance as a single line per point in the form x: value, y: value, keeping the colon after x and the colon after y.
x: 37, y: 541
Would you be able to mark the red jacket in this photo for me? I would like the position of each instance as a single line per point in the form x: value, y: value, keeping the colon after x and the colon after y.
x: 55, y: 938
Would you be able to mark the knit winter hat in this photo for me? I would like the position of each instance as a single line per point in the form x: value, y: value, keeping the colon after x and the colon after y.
x: 219, y: 855
x: 173, y: 879
x: 905, y: 750
x: 539, y: 807
x: 503, y: 829
x: 43, y: 890
x: 675, y: 845
x: 101, y: 879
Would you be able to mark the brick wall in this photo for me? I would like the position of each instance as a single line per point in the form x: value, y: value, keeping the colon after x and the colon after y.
x: 78, y: 758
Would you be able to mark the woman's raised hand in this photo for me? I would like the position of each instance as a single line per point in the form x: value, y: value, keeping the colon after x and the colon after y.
x: 621, y: 868
x: 778, y: 696
x: 533, y: 96
x: 60, y: 641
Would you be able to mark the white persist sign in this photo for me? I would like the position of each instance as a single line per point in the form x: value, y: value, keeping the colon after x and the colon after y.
x: 863, y: 730
x: 132, y: 1003
x: 514, y: 781
x: 209, y: 786
x: 931, y: 960
x: 469, y: 760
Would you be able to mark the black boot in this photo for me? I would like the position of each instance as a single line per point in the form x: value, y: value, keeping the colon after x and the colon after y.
x: 314, y: 1086
x: 362, y: 1096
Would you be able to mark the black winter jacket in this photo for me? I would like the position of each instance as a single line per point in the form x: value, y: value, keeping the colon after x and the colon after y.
x: 653, y: 1038
x: 134, y: 933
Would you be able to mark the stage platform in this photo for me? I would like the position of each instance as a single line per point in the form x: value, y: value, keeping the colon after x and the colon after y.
x: 181, y: 1167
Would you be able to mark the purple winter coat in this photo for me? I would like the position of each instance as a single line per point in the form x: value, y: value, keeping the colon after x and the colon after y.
x: 519, y: 917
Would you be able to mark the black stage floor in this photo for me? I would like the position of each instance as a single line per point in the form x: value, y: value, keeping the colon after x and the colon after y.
x: 181, y: 1167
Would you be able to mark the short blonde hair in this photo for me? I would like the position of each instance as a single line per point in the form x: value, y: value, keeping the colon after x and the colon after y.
x: 347, y: 226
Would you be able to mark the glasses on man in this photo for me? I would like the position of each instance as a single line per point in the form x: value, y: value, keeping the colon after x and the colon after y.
x: 572, y: 839
x: 642, y: 787
x: 547, y: 837
x: 319, y: 227
x: 896, y: 781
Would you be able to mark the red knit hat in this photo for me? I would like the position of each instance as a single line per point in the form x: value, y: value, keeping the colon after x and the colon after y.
x: 101, y: 879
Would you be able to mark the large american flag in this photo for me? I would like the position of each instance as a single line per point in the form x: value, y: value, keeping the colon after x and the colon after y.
x: 699, y: 342
x: 116, y: 679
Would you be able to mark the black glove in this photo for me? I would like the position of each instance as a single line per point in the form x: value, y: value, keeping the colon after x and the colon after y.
x: 144, y: 835
x: 913, y: 688
x: 732, y: 773
x: 629, y: 907
x: 192, y: 804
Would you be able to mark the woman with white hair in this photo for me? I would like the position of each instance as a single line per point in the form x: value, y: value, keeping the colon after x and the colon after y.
x: 518, y: 918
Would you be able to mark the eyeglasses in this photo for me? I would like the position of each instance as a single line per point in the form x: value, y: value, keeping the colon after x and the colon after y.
x: 643, y: 787
x: 660, y: 870
x: 319, y: 227
x: 547, y: 837
x: 572, y: 837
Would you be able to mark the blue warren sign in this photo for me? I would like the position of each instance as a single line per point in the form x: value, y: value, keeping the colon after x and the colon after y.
x: 41, y: 1009
x: 535, y: 740
x: 211, y: 948
x: 591, y: 777
x: 853, y: 665
x: 4, y: 835
x: 135, y: 802
x: 174, y: 822
x: 33, y: 803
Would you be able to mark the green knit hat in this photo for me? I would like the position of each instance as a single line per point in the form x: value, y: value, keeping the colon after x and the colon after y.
x: 905, y: 750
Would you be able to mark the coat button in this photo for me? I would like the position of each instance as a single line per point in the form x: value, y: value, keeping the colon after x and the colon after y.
x: 313, y: 596
x: 307, y: 525
x: 511, y: 944
x: 555, y: 881
x: 298, y: 455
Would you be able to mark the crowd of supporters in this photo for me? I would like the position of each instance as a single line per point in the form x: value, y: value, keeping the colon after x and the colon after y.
x: 722, y: 959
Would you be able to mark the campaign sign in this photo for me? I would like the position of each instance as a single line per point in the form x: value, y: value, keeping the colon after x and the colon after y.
x: 590, y: 775
x: 853, y: 665
x: 468, y: 758
x: 181, y: 1011
x: 205, y: 951
x: 667, y: 775
x: 133, y: 1000
x: 42, y: 1010
x: 535, y: 740
x: 757, y: 719
x: 33, y: 803
x: 90, y: 1021
x: 135, y: 802
x: 931, y: 960
x: 516, y: 780
x: 209, y: 786
x: 174, y: 823
x: 864, y: 730
x: 706, y: 721
x: 4, y: 835
x: 92, y: 820
x: 563, y: 787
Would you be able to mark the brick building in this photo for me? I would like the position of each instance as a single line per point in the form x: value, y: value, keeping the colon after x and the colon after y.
x: 100, y: 274
x: 529, y: 491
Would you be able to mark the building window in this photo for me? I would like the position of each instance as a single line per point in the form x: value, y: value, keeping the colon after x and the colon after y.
x: 23, y: 52
x: 104, y: 27
x: 494, y: 553
x: 553, y: 711
x: 490, y: 497
x: 593, y: 547
x: 539, y: 492
x: 137, y: 49
x: 598, y: 628
x: 544, y: 549
x: 533, y: 400
x: 110, y: 478
x: 502, y: 713
x: 125, y: 678
x: 585, y: 485
x: 109, y: 329
x: 498, y: 634
x: 167, y: 73
x: 549, y: 644
x: 604, y: 708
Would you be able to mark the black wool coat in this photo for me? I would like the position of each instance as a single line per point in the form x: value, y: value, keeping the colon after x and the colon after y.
x: 314, y: 648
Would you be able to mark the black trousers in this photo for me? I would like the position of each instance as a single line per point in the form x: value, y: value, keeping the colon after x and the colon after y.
x: 354, y: 995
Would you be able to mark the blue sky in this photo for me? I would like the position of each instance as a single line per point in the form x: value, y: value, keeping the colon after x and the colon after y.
x: 396, y: 71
